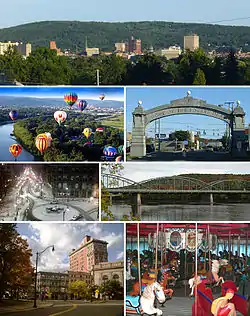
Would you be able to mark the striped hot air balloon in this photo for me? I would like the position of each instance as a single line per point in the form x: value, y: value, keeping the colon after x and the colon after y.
x: 109, y: 152
x: 70, y: 98
x: 13, y: 115
x: 102, y: 96
x: 42, y: 142
x: 15, y: 150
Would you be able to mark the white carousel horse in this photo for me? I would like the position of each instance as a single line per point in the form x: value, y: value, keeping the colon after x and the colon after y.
x: 216, y: 264
x: 128, y: 272
x: 145, y: 303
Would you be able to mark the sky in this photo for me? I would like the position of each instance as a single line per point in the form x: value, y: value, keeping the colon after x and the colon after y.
x: 155, y: 96
x: 112, y: 10
x: 89, y: 93
x: 66, y: 237
x: 139, y: 171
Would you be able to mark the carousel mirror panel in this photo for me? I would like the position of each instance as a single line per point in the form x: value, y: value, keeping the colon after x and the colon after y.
x: 167, y: 263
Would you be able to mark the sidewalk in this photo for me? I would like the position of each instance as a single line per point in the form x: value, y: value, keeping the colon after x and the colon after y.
x: 22, y: 306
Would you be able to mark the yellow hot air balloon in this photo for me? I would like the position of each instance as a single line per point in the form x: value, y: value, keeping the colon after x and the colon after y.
x: 87, y: 132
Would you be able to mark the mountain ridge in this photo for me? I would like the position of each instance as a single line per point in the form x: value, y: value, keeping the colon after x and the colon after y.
x: 160, y: 34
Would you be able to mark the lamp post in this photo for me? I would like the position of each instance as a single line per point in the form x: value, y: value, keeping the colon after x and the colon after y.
x: 37, y: 257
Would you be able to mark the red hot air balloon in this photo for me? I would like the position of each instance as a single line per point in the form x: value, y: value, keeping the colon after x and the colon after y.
x: 15, y: 150
x: 42, y: 142
x: 70, y: 98
x: 99, y: 129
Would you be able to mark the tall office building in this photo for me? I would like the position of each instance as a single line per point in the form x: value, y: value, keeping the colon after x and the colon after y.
x: 134, y: 45
x: 91, y: 252
x: 191, y: 42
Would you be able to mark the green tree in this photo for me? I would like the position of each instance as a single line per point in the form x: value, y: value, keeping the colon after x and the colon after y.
x: 15, y: 261
x: 79, y: 289
x: 199, y: 78
x: 233, y: 73
x: 45, y: 67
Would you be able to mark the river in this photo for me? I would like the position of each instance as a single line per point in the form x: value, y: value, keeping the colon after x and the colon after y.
x: 6, y: 140
x: 223, y: 212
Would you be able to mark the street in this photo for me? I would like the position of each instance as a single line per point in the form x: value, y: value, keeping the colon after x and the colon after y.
x: 199, y: 155
x: 104, y: 309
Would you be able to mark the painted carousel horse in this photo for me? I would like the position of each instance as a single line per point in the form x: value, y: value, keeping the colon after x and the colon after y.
x: 165, y: 282
x: 209, y: 277
x: 128, y: 272
x: 145, y: 304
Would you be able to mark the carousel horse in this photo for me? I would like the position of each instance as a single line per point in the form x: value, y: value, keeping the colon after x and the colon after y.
x: 128, y: 272
x: 164, y: 283
x: 145, y: 304
x: 210, y: 277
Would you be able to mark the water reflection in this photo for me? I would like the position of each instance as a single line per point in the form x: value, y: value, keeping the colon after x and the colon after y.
x: 231, y: 212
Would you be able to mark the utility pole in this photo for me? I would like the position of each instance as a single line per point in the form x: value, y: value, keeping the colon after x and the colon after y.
x: 98, y: 77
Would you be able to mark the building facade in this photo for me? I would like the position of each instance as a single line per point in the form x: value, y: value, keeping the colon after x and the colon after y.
x: 109, y: 271
x: 120, y: 47
x: 91, y: 252
x: 134, y: 46
x: 23, y: 48
x: 171, y: 52
x: 54, y: 285
x: 79, y: 181
x: 191, y: 42
x: 92, y: 51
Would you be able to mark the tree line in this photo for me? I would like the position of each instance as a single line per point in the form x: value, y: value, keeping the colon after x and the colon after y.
x: 44, y: 67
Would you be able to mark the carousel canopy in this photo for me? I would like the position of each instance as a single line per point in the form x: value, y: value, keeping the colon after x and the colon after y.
x: 219, y: 229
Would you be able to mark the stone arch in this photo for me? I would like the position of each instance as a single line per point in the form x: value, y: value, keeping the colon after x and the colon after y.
x: 188, y: 105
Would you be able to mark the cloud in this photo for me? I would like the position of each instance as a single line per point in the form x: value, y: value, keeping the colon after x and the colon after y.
x: 66, y: 237
x: 120, y: 256
x: 138, y: 171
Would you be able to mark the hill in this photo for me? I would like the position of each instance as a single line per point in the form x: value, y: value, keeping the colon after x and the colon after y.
x: 160, y: 34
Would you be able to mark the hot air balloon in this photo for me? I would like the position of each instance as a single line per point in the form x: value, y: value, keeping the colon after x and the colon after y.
x: 119, y: 159
x: 99, y: 129
x: 60, y: 116
x: 13, y: 115
x: 49, y: 138
x: 70, y: 98
x: 15, y: 150
x: 87, y: 132
x: 121, y: 149
x: 82, y: 105
x: 42, y: 142
x: 109, y: 152
x: 101, y: 97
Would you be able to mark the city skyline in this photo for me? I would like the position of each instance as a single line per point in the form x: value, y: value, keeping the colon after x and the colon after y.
x: 155, y: 96
x: 57, y: 92
x: 66, y: 237
x: 107, y: 11
x: 136, y: 171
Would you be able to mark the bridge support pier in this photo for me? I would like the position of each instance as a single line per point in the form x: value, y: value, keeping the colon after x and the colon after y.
x: 211, y: 199
x: 136, y: 205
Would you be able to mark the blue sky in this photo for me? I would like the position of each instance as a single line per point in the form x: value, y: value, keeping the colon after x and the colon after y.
x: 89, y: 93
x: 65, y: 237
x: 154, y: 96
x: 111, y: 10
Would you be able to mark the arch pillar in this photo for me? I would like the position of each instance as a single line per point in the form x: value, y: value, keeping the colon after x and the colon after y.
x: 138, y: 143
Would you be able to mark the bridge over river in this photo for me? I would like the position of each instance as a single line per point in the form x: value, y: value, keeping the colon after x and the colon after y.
x: 175, y: 186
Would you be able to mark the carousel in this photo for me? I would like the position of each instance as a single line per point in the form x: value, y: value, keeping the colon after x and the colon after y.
x: 187, y: 269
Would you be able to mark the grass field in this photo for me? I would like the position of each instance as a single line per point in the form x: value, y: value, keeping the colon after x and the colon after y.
x: 117, y: 122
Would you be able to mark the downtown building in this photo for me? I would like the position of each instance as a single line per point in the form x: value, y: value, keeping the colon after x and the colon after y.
x: 90, y: 253
x: 23, y: 48
x: 191, y: 42
x: 134, y: 46
x: 78, y: 181
x: 55, y: 285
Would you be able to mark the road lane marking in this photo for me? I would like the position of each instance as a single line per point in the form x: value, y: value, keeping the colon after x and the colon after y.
x: 65, y: 311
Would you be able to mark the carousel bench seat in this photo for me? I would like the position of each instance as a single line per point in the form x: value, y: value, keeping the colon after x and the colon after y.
x: 204, y: 301
x: 239, y: 301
